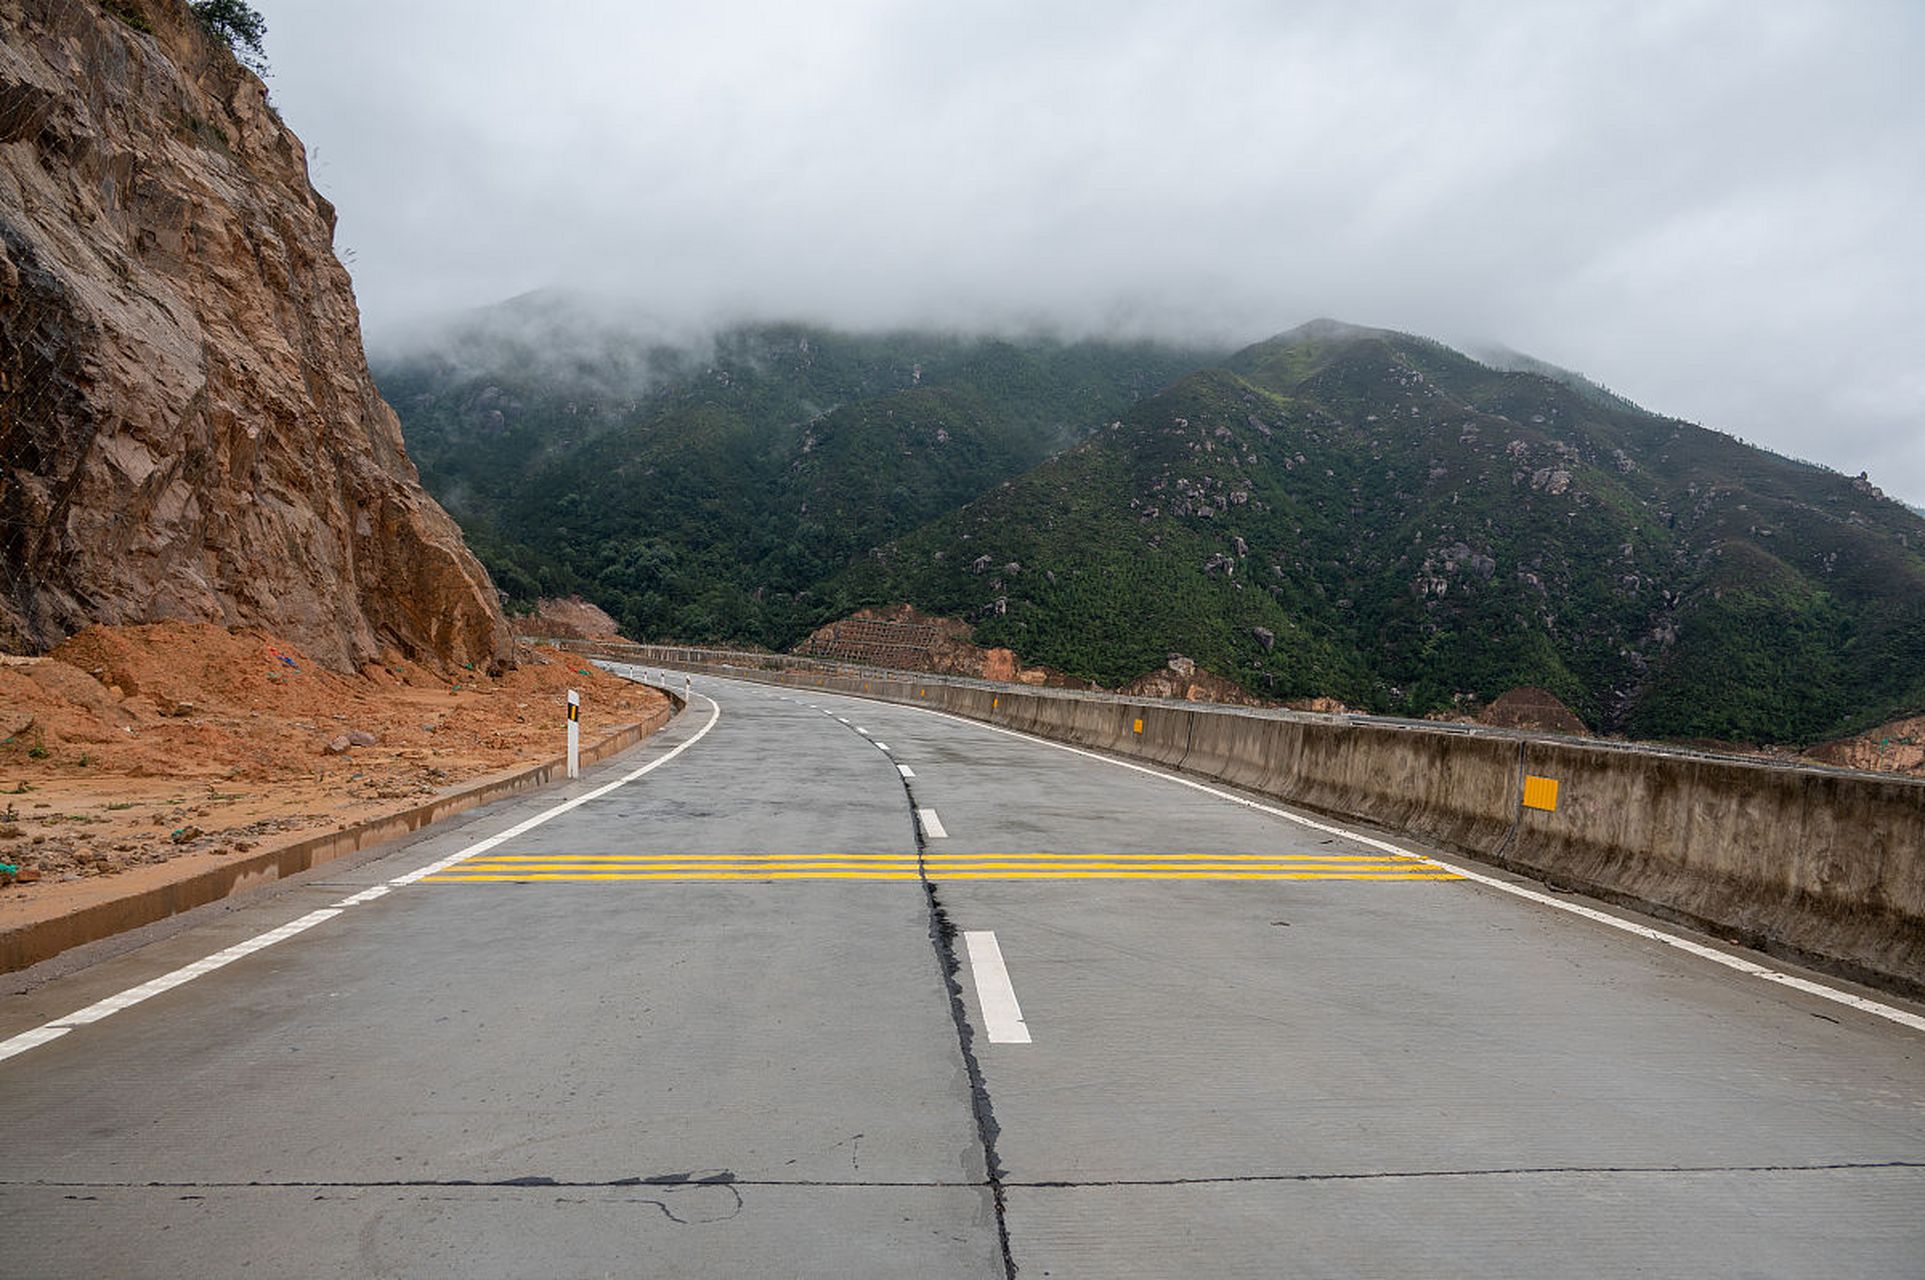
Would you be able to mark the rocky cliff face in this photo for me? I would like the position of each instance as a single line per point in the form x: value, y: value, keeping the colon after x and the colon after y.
x: 187, y: 425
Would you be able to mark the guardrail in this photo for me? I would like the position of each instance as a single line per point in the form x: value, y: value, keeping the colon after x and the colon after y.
x: 1826, y: 866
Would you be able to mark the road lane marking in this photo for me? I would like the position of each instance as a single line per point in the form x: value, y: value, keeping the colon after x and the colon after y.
x: 566, y: 806
x: 165, y: 982
x: 931, y: 824
x: 596, y: 867
x: 1876, y: 1008
x: 905, y: 771
x: 952, y: 873
x: 1188, y: 859
x: 693, y: 866
x: 516, y: 859
x: 906, y: 875
x: 168, y: 981
x: 883, y: 747
x: 1002, y: 1016
x: 864, y: 732
x: 30, y: 1039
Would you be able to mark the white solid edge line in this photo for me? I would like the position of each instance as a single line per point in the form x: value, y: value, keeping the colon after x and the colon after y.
x: 547, y: 815
x: 29, y: 1039
x: 931, y: 824
x: 1002, y: 1016
x: 187, y: 973
x: 1876, y: 1008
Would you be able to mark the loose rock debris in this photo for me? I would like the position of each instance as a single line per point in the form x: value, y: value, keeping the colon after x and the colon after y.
x: 128, y: 747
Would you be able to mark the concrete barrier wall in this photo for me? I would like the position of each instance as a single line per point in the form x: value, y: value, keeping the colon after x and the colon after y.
x: 1806, y: 861
x: 1824, y: 866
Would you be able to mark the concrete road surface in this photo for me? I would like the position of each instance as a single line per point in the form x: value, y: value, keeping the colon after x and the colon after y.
x: 812, y: 986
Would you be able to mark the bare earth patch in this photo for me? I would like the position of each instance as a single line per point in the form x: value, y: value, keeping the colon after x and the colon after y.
x: 134, y: 755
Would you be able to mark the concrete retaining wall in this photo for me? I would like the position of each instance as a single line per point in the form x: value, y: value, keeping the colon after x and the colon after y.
x: 1824, y: 866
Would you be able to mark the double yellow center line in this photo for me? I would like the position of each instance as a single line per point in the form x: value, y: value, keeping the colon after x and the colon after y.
x: 520, y: 868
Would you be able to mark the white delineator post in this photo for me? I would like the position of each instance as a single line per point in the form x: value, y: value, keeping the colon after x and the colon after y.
x: 574, y: 734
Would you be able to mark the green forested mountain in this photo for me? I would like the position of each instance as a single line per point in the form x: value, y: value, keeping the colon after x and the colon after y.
x: 708, y: 486
x: 1335, y: 511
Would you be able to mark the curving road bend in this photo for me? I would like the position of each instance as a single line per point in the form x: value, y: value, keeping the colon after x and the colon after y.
x: 813, y: 986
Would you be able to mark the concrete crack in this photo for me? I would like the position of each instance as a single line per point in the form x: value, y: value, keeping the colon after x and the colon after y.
x: 942, y: 936
x: 1422, y: 1174
x: 734, y: 1183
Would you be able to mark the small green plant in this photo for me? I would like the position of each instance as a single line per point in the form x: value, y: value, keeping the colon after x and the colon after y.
x: 206, y: 133
x: 124, y: 804
x: 38, y: 751
x: 238, y: 25
x: 85, y: 759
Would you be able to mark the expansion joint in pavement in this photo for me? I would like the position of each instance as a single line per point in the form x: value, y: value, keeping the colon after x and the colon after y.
x: 1522, y: 1171
x: 942, y: 936
x: 678, y: 1181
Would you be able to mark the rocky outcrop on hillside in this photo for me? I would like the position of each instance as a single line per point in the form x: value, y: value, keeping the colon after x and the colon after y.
x: 187, y: 426
x: 1534, y: 709
x: 1180, y: 678
x: 1898, y: 747
x: 569, y: 618
x: 902, y: 637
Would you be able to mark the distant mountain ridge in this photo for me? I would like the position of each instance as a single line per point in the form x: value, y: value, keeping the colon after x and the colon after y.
x: 709, y: 485
x: 1334, y: 511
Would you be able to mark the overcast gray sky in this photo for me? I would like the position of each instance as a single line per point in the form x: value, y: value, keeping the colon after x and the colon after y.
x: 1716, y: 207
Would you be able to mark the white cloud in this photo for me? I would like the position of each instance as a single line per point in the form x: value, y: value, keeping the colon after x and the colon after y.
x: 1710, y: 206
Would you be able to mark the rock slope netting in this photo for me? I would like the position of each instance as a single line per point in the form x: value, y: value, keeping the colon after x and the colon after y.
x: 187, y: 425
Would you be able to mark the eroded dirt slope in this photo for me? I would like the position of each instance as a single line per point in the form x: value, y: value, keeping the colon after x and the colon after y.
x: 132, y: 746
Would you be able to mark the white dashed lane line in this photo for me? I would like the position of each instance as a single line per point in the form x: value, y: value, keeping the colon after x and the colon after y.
x: 905, y: 771
x: 931, y: 824
x: 168, y: 981
x: 1002, y: 1016
x: 1852, y: 1000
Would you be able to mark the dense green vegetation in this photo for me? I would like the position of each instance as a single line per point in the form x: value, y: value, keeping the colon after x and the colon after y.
x: 709, y: 489
x: 1335, y: 511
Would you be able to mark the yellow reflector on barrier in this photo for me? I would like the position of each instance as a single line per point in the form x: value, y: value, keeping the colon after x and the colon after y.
x: 1540, y: 793
x: 1137, y: 727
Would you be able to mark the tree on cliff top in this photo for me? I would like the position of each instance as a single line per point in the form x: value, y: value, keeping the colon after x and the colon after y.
x: 239, y: 25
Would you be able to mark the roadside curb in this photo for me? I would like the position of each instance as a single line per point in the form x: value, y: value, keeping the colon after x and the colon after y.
x: 29, y: 944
